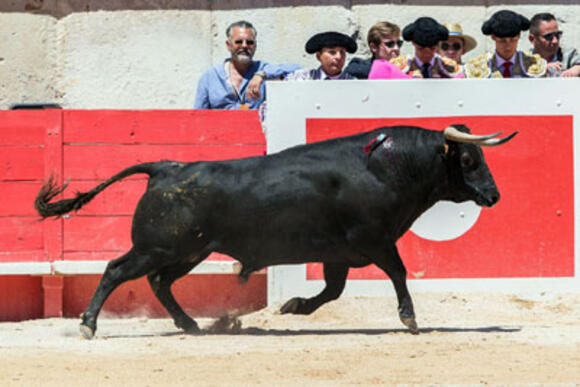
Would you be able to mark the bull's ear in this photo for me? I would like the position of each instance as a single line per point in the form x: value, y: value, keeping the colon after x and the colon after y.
x: 461, y: 128
x: 443, y: 149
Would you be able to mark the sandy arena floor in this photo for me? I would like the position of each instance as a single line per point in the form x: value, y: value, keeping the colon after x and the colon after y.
x: 465, y: 339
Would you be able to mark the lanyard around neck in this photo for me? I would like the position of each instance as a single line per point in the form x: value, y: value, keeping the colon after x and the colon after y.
x: 239, y: 97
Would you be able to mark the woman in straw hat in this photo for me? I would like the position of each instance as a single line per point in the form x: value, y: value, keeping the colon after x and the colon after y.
x: 457, y: 44
x: 425, y: 34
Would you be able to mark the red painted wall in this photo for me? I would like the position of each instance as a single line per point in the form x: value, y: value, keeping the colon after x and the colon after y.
x: 202, y: 295
x: 21, y: 297
x: 529, y: 233
x: 84, y: 148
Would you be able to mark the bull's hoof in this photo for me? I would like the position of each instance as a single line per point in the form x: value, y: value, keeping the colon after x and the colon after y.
x: 188, y: 326
x: 87, y: 332
x: 411, y: 324
x: 294, y: 306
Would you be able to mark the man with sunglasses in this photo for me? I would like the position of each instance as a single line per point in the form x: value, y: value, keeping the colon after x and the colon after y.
x: 384, y: 41
x: 425, y: 34
x: 507, y: 61
x: 238, y: 82
x: 545, y: 36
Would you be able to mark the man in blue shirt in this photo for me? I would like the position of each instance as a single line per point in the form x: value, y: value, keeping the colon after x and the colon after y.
x: 238, y: 83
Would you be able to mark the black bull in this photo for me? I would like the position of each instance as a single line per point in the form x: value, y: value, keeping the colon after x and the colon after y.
x: 343, y: 202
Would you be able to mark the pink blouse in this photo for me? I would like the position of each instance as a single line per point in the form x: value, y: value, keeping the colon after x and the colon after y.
x: 383, y: 69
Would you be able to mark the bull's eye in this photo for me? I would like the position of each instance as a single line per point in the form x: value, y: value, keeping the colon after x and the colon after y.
x: 466, y: 160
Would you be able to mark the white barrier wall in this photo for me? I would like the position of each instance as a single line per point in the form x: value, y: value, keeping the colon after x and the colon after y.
x: 527, y: 243
x: 151, y: 55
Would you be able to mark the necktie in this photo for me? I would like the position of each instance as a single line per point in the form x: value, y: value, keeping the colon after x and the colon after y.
x: 425, y: 70
x: 506, y: 69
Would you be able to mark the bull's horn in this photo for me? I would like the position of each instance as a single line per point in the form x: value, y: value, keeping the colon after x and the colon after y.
x: 498, y: 141
x: 451, y: 133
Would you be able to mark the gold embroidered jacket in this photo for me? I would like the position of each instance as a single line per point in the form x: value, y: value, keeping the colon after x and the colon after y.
x: 442, y: 68
x: 527, y: 65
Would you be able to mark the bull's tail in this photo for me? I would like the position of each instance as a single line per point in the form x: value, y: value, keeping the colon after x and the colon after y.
x: 50, y: 189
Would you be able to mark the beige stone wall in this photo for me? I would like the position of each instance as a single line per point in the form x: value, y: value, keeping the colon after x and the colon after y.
x: 115, y: 54
x: 132, y: 59
x: 27, y: 58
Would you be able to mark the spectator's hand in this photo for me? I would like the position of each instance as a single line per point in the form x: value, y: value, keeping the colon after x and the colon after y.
x: 572, y: 72
x: 253, y: 91
x: 554, y: 68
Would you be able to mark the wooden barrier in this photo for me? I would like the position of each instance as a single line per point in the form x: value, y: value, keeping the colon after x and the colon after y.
x: 85, y: 148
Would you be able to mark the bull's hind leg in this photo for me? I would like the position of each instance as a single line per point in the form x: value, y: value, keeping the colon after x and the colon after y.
x: 395, y: 269
x: 335, y: 277
x: 161, y: 282
x: 130, y: 266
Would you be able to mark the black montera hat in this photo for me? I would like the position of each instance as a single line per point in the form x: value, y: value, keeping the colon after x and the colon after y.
x: 426, y: 32
x: 504, y: 24
x: 330, y: 39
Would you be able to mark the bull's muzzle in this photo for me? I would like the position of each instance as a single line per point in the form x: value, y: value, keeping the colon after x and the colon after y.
x: 487, y: 199
x: 493, y: 199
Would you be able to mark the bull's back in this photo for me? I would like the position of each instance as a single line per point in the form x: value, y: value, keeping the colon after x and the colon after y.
x: 280, y: 208
x: 305, y: 200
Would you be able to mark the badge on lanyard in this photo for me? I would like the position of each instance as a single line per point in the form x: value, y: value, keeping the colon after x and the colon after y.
x: 244, y: 106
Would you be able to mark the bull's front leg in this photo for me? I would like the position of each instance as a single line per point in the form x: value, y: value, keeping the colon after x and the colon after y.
x: 392, y: 265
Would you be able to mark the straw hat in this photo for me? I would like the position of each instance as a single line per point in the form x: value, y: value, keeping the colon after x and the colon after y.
x: 456, y: 31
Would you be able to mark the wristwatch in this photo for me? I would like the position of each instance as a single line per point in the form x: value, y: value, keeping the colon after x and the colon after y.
x: 261, y: 74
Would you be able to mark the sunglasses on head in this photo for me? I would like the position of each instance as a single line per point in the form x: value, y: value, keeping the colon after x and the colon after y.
x: 456, y: 46
x: 249, y: 42
x: 391, y: 43
x: 551, y: 35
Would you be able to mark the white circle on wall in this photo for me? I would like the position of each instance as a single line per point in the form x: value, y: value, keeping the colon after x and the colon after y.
x: 446, y: 220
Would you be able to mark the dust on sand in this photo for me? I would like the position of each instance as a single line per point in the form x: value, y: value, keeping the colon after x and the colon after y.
x: 471, y: 338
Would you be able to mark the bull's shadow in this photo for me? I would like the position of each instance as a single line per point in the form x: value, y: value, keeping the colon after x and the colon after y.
x: 369, y: 332
x: 252, y: 331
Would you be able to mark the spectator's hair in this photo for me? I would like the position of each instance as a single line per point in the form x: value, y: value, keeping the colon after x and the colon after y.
x: 240, y: 24
x: 537, y: 20
x: 380, y: 30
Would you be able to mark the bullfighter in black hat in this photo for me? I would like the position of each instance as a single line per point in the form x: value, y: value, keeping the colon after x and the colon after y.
x: 507, y: 61
x: 330, y: 49
x: 425, y: 34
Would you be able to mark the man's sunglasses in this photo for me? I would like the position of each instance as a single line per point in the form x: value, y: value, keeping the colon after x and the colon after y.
x: 249, y: 42
x: 456, y: 46
x: 391, y: 43
x: 550, y: 36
